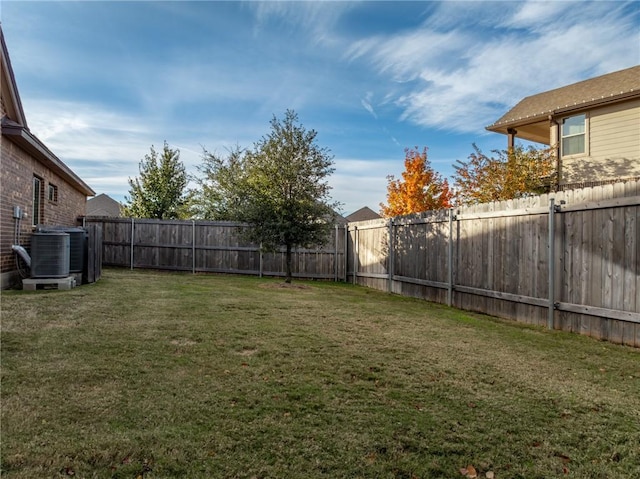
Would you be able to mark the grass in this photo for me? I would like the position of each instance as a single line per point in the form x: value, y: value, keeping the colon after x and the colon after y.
x: 160, y: 375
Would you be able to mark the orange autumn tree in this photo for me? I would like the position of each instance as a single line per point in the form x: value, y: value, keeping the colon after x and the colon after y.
x: 510, y: 174
x: 420, y: 189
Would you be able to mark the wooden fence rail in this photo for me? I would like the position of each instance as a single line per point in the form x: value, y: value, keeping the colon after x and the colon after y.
x: 568, y: 260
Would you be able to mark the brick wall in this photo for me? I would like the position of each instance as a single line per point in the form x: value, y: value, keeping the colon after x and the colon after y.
x: 17, y: 170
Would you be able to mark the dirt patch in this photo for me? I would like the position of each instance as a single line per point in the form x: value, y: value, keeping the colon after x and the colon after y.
x: 248, y: 352
x: 183, y: 342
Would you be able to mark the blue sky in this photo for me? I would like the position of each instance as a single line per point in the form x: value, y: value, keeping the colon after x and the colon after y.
x: 101, y: 82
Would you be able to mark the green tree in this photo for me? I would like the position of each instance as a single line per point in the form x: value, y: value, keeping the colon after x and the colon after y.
x: 279, y: 188
x: 510, y: 174
x: 159, y: 191
x: 219, y: 186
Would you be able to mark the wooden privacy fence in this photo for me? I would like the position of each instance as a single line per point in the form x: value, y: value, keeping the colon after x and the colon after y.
x: 568, y: 260
x: 210, y: 247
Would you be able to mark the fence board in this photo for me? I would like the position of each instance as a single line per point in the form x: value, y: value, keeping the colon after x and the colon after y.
x: 94, y: 253
x: 631, y: 284
x: 618, y: 245
x: 587, y: 265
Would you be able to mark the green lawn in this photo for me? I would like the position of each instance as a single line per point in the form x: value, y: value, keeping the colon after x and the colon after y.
x: 176, y: 375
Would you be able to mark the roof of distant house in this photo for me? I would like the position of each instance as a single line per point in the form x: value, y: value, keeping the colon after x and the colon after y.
x: 363, y: 214
x: 608, y: 88
x: 103, y: 205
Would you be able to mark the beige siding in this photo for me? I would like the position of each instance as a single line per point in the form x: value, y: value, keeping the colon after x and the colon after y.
x: 615, y: 132
x: 614, y: 145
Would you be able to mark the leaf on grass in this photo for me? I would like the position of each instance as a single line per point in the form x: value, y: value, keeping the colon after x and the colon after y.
x: 565, y: 469
x: 469, y: 472
x: 565, y: 459
x: 490, y: 475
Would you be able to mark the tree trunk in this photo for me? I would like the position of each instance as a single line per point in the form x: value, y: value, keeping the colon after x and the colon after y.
x: 288, y: 262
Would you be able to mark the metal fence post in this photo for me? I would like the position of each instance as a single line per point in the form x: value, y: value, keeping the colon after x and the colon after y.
x: 450, y: 261
x: 391, y: 258
x: 132, y: 229
x: 193, y: 246
x: 355, y: 253
x: 552, y: 264
x: 335, y: 256
x: 346, y: 252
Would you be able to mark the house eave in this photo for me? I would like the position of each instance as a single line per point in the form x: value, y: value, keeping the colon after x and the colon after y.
x: 28, y: 142
x: 502, y: 127
x: 11, y: 79
x: 532, y: 129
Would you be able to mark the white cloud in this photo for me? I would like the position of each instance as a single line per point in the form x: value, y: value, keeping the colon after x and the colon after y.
x: 317, y: 19
x: 366, y: 103
x: 533, y: 14
x: 462, y: 81
x: 103, y: 147
x: 405, y: 56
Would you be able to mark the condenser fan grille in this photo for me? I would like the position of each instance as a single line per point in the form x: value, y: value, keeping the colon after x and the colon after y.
x: 50, y: 255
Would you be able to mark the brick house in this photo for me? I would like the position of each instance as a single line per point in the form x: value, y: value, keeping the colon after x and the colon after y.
x: 37, y: 187
x: 594, y: 125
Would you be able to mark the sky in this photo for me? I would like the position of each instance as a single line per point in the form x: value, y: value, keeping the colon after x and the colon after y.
x: 103, y: 81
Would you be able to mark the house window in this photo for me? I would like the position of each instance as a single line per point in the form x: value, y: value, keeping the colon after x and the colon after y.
x: 574, y: 135
x: 53, y: 193
x: 38, y: 195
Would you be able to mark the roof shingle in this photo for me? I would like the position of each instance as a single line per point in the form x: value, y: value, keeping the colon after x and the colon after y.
x: 602, y: 89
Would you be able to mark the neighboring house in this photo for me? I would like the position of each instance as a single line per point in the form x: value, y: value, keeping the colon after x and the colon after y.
x: 103, y: 205
x: 363, y: 214
x: 37, y: 188
x: 594, y: 125
x: 339, y: 219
